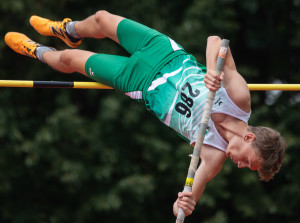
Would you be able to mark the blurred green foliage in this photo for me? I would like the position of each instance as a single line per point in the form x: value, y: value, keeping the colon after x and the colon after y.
x: 86, y: 156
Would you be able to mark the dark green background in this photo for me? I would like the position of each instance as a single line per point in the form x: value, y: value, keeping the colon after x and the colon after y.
x: 85, y: 156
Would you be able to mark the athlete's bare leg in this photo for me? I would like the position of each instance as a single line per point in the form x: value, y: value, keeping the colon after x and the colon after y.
x: 100, y: 25
x: 67, y: 61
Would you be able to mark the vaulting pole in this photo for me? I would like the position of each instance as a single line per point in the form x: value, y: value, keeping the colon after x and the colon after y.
x: 203, y: 126
x: 96, y: 85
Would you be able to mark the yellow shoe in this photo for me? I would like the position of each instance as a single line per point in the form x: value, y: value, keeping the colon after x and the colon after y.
x: 21, y: 44
x: 47, y: 27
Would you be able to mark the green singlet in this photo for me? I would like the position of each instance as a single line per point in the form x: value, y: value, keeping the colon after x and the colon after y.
x: 169, y: 81
x: 158, y: 72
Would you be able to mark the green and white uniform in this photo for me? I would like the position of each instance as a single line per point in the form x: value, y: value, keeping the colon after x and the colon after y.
x: 177, y: 97
x: 169, y: 80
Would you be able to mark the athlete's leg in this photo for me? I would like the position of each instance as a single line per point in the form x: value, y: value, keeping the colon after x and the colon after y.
x: 67, y: 61
x: 100, y: 25
x: 103, y: 68
x: 133, y: 36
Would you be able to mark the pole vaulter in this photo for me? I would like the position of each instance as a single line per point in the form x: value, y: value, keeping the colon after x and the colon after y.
x: 156, y: 65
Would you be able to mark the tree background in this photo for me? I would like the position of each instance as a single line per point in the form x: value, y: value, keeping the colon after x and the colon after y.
x: 84, y: 156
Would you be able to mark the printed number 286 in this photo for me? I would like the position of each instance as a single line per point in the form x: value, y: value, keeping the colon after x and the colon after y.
x: 187, y: 102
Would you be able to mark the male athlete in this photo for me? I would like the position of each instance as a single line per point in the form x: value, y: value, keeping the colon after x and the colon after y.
x: 172, y: 85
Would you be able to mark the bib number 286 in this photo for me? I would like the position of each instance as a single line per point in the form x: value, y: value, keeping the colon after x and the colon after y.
x: 184, y: 107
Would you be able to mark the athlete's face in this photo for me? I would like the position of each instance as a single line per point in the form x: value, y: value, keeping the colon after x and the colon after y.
x: 243, y: 153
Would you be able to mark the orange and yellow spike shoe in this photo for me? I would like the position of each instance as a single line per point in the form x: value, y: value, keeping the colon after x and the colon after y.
x: 21, y: 44
x: 47, y: 27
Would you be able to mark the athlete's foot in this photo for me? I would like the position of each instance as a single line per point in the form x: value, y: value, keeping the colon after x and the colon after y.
x: 21, y: 44
x: 47, y: 27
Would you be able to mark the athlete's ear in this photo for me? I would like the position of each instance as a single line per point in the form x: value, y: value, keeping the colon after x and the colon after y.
x: 249, y: 137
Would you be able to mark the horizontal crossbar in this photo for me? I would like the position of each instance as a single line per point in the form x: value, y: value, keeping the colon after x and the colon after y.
x: 96, y: 85
x: 53, y: 84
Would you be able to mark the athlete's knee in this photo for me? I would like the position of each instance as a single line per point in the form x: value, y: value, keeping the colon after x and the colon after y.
x: 102, y: 17
x: 67, y: 58
x: 108, y: 23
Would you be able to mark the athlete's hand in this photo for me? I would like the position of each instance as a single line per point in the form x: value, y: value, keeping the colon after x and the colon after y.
x: 186, y: 201
x: 212, y: 80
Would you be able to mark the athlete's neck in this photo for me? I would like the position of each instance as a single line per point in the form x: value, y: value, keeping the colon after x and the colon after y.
x: 229, y: 127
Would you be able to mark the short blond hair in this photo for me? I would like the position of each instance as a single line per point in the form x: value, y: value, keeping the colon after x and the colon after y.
x: 270, y: 146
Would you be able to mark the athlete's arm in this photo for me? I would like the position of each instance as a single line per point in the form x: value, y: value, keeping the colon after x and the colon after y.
x: 212, y: 161
x: 233, y: 82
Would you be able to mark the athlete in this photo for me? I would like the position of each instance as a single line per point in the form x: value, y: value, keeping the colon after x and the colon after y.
x: 173, y: 86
